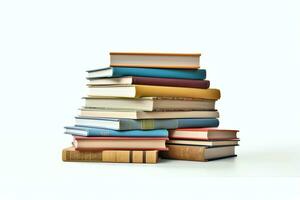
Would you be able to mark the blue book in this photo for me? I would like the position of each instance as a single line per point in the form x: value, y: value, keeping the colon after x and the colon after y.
x: 94, y: 132
x: 146, y: 124
x: 109, y: 72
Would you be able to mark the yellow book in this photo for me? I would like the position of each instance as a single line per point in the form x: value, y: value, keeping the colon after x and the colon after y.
x: 133, y: 91
x: 113, y: 156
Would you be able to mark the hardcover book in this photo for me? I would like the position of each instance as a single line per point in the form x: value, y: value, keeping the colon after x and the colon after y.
x: 156, y: 60
x: 144, y: 124
x: 96, y: 132
x: 113, y: 156
x: 150, y: 103
x: 210, y: 143
x: 135, y: 80
x: 119, y: 143
x: 113, y: 72
x: 153, y: 91
x: 94, y: 112
x: 197, y: 153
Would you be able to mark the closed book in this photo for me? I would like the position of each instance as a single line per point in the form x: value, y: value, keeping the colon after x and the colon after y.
x: 94, y: 132
x: 119, y: 143
x: 203, y: 134
x: 113, y: 156
x: 135, y: 80
x: 197, y: 153
x: 155, y: 60
x: 144, y: 124
x: 153, y: 91
x: 94, y: 112
x: 210, y: 143
x: 106, y: 72
x: 150, y: 103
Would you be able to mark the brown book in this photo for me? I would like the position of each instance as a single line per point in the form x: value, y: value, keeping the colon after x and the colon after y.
x: 137, y: 80
x: 114, y: 156
x: 197, y: 153
x: 155, y: 60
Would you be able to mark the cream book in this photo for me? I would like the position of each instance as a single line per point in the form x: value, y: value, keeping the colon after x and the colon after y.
x: 150, y: 103
x: 155, y: 60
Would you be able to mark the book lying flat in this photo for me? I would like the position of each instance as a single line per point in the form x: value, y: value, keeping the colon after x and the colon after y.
x: 153, y: 91
x: 94, y: 132
x: 150, y: 103
x: 94, y: 112
x: 119, y: 143
x: 197, y: 153
x: 211, y: 143
x: 135, y: 80
x: 159, y: 60
x: 110, y: 72
x: 144, y: 124
x: 113, y: 156
x: 203, y: 134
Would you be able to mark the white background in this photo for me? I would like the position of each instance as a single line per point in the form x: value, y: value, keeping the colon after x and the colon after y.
x: 249, y: 48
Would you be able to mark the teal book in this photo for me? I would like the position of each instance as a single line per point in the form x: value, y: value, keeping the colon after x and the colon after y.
x: 113, y: 72
x: 145, y: 124
x: 94, y: 132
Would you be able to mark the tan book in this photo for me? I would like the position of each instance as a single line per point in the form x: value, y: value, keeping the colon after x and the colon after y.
x: 197, y: 153
x: 155, y: 60
x: 113, y: 156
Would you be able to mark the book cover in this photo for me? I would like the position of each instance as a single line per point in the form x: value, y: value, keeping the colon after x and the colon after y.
x: 113, y: 156
x: 147, y: 124
x: 94, y: 132
x: 199, y: 74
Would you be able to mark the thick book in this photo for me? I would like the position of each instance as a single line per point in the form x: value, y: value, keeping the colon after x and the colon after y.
x: 119, y: 143
x: 95, y: 112
x: 113, y: 156
x: 155, y: 60
x: 210, y: 143
x: 107, y: 72
x: 203, y: 134
x: 197, y: 153
x: 144, y: 124
x: 135, y: 80
x: 150, y: 103
x: 152, y: 91
x: 94, y: 132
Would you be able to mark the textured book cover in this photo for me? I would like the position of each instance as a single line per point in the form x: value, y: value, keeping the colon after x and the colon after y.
x: 113, y: 156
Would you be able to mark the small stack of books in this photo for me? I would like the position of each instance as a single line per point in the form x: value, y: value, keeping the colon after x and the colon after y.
x: 132, y: 104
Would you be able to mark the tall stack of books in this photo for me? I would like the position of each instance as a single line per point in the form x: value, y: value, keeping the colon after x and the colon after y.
x: 147, y: 105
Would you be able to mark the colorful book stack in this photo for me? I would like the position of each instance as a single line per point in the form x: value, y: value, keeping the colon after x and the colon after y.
x: 149, y: 104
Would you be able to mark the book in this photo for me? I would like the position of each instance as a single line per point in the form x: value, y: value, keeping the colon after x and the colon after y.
x: 152, y: 91
x: 95, y: 112
x: 211, y: 143
x: 119, y: 143
x: 197, y: 153
x: 203, y: 134
x: 144, y: 124
x: 113, y: 72
x: 113, y: 156
x: 135, y: 80
x: 94, y: 132
x: 159, y: 60
x: 150, y: 103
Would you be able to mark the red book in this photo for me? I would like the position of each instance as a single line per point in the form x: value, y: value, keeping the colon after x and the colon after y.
x: 119, y: 143
x: 204, y: 134
x: 131, y: 80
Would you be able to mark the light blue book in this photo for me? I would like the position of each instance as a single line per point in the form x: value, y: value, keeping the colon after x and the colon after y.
x: 105, y: 72
x: 146, y: 124
x: 94, y: 132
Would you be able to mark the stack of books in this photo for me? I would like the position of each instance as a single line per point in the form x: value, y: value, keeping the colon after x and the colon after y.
x: 147, y: 105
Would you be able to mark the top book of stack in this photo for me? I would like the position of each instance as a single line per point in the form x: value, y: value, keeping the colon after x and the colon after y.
x: 155, y: 60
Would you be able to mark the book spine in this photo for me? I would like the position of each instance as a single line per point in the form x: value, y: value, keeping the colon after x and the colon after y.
x: 110, y: 156
x: 181, y: 152
x: 130, y: 133
x: 199, y: 74
x: 204, y: 84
